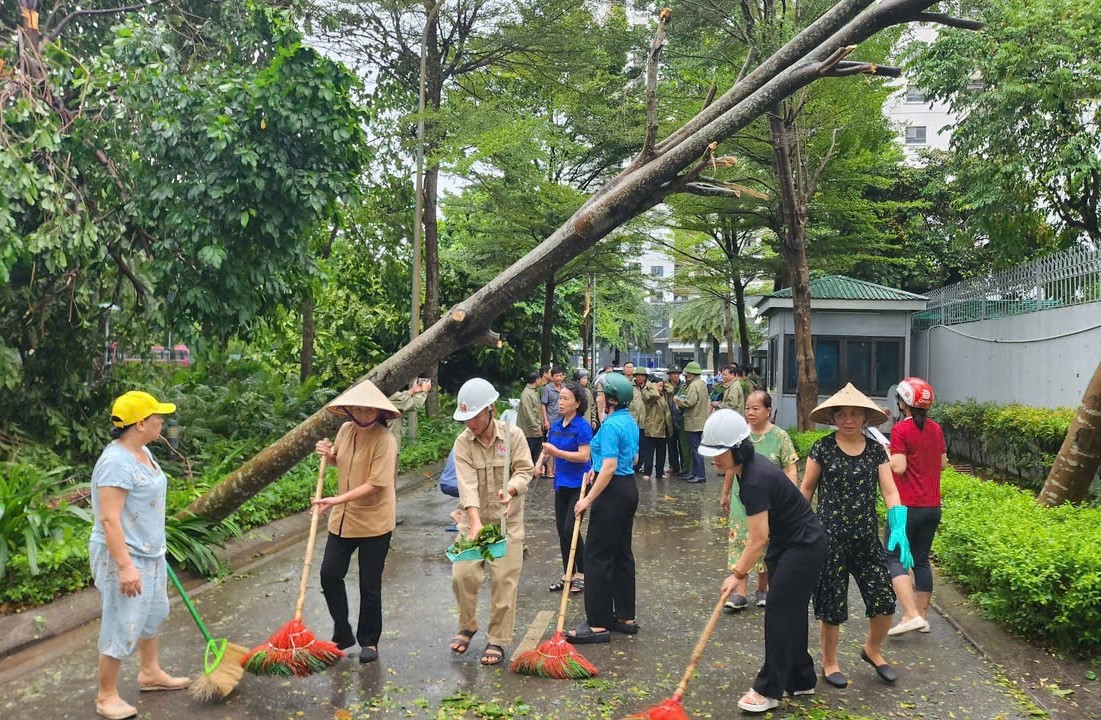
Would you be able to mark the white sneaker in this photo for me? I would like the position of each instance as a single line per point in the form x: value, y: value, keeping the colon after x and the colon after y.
x: 908, y: 626
x: 808, y: 691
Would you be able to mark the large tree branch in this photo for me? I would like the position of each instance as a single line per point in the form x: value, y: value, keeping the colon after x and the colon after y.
x: 950, y: 21
x: 850, y: 67
x: 656, y: 47
x: 55, y: 32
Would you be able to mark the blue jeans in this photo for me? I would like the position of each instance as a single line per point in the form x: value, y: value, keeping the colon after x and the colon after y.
x: 698, y: 468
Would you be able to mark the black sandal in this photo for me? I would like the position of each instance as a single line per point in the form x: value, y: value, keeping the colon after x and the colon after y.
x: 577, y: 586
x: 462, y: 640
x: 493, y: 655
x: 557, y: 587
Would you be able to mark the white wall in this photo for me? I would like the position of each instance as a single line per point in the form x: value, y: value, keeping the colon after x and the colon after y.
x: 1016, y: 359
x: 934, y: 117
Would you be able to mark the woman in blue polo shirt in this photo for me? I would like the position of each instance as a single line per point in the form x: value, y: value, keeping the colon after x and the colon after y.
x: 568, y: 441
x: 609, y: 561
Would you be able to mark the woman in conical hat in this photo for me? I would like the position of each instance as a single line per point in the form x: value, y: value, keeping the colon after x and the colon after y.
x: 845, y: 468
x: 364, y: 512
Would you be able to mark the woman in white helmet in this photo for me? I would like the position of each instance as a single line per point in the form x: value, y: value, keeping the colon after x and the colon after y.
x: 488, y: 493
x: 780, y: 518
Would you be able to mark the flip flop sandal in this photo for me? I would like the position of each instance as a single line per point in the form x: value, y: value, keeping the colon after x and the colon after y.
x: 577, y: 586
x: 627, y: 628
x: 585, y: 635
x: 462, y: 639
x: 493, y: 655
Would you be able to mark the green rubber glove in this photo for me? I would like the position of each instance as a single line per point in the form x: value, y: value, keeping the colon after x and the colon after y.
x: 896, y: 516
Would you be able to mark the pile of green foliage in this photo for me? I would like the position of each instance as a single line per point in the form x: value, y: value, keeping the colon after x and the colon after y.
x: 804, y: 441
x: 1023, y: 441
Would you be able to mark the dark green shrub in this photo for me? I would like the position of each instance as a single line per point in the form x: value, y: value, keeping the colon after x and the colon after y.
x: 1035, y: 570
x: 804, y: 441
x: 31, y: 517
x: 62, y: 569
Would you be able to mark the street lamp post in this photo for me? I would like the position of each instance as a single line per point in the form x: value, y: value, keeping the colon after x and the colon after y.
x: 109, y: 308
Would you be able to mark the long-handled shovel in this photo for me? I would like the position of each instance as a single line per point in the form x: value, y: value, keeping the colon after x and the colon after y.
x: 670, y: 708
x: 222, y: 660
x: 557, y: 658
x: 293, y: 649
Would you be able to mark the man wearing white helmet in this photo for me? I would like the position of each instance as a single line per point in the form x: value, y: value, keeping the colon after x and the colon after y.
x: 488, y: 494
x: 779, y: 517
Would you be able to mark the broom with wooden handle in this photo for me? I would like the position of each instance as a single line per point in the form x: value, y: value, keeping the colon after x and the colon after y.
x: 293, y: 649
x: 557, y: 658
x: 222, y: 661
x: 670, y: 708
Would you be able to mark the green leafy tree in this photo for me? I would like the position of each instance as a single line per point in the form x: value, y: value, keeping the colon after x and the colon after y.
x: 1028, y: 142
x: 173, y: 174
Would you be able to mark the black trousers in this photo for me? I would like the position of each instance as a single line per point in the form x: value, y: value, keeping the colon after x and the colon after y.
x: 334, y: 567
x: 698, y: 468
x: 792, y: 576
x: 564, y: 520
x: 650, y: 447
x: 673, y: 443
x: 921, y: 525
x: 609, y: 561
x: 535, y: 446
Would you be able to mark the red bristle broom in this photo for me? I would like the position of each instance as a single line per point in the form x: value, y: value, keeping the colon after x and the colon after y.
x: 293, y: 649
x: 670, y: 708
x: 557, y: 658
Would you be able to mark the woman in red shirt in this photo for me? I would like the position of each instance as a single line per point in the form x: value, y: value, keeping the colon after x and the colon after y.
x: 918, y: 454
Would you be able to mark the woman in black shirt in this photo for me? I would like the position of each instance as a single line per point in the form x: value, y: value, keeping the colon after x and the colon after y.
x: 779, y: 517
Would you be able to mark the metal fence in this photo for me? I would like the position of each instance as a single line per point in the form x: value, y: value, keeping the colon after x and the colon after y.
x: 1070, y: 277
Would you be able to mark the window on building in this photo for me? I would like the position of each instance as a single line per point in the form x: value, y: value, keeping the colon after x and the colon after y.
x: 871, y: 364
x: 657, y: 271
x: 914, y: 94
x: 915, y: 135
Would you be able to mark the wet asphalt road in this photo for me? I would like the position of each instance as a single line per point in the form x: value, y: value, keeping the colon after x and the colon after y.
x: 680, y: 549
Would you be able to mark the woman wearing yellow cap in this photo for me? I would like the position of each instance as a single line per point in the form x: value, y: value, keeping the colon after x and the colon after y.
x: 127, y: 550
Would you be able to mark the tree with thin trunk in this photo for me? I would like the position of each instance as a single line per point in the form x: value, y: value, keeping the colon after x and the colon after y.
x: 1079, y: 458
x: 674, y: 165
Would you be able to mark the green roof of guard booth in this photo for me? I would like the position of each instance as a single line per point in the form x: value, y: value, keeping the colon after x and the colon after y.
x: 841, y: 287
x: 843, y: 293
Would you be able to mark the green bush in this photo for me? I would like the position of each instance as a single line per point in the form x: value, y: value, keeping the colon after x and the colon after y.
x: 30, y: 514
x: 62, y: 569
x: 1020, y: 440
x: 804, y: 441
x: 1035, y: 570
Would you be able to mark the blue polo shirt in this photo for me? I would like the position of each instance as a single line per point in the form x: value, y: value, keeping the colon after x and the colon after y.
x: 617, y: 438
x: 568, y: 474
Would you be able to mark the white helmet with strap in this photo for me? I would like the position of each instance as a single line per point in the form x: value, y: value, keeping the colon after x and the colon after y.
x: 475, y: 395
x: 723, y: 430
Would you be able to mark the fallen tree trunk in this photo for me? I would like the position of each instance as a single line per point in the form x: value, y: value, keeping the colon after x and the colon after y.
x: 676, y: 164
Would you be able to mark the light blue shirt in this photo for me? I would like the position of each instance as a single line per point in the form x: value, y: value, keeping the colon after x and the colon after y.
x: 617, y: 438
x: 142, y: 516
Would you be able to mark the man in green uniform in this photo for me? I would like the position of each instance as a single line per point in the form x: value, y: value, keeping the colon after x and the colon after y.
x: 733, y: 397
x: 696, y: 408
x: 530, y: 417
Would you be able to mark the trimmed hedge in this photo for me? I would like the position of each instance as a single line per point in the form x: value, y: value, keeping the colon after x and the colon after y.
x: 1019, y: 440
x: 1035, y: 570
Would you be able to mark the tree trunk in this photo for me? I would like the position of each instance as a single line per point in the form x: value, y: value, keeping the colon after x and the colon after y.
x: 716, y: 354
x: 728, y: 329
x: 638, y: 188
x: 739, y: 306
x: 548, y: 323
x: 305, y: 368
x: 793, y: 248
x: 434, y: 95
x: 1080, y: 456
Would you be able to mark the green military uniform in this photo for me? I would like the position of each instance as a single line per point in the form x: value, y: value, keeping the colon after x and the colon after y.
x: 530, y: 417
x: 733, y: 397
x: 696, y: 405
x: 404, y: 401
x: 657, y: 420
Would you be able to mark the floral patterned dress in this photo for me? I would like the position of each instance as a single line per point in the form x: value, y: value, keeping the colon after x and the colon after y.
x: 847, y: 491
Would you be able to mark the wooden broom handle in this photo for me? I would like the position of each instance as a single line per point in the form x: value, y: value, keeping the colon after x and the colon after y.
x: 698, y: 652
x: 310, y: 541
x: 569, y: 566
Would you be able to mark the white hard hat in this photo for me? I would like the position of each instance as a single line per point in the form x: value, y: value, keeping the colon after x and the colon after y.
x: 475, y: 396
x: 723, y: 430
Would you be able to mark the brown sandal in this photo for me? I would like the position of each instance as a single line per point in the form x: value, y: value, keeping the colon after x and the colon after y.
x: 493, y: 655
x: 461, y: 642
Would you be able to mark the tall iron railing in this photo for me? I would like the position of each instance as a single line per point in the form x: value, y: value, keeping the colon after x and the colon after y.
x: 1069, y: 277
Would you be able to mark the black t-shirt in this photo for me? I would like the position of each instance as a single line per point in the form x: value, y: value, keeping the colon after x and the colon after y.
x: 763, y: 486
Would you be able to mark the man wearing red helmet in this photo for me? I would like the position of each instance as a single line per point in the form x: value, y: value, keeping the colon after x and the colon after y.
x: 918, y: 454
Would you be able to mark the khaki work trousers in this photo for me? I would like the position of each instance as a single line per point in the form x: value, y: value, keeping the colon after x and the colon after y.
x: 504, y: 581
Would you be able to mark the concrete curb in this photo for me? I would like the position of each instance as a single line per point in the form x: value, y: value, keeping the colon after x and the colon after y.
x: 1034, y: 671
x: 23, y: 631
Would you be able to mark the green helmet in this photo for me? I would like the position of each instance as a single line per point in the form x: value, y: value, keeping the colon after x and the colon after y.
x: 619, y: 387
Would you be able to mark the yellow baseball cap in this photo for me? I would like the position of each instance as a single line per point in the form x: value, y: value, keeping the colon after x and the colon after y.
x: 135, y: 406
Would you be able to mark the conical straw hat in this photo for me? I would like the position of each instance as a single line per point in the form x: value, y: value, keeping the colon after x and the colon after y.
x: 365, y: 394
x: 848, y: 396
